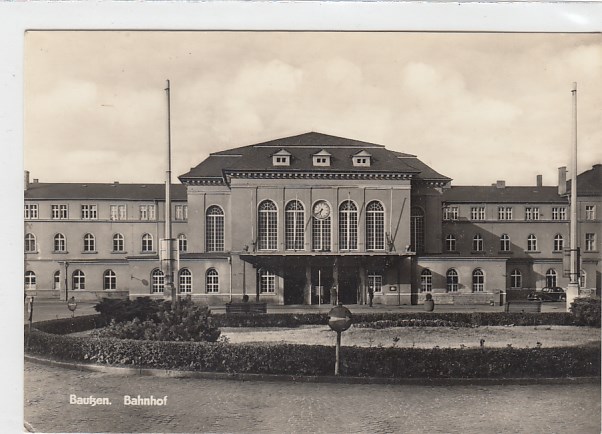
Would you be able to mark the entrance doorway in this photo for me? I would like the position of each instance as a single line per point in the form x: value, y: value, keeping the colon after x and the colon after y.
x: 348, y: 285
x: 294, y: 286
x: 321, y: 276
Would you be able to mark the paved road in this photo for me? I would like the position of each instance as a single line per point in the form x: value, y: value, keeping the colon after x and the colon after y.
x: 53, y: 309
x: 200, y: 405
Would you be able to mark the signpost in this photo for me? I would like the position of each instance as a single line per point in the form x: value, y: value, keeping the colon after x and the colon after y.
x: 339, y: 320
x: 72, y: 305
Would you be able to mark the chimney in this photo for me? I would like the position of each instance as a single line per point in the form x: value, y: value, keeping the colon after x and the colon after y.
x: 26, y: 180
x: 500, y: 184
x: 35, y: 180
x: 539, y: 180
x: 562, y: 180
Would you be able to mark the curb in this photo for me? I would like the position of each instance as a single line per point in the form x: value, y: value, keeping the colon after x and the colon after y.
x: 166, y: 373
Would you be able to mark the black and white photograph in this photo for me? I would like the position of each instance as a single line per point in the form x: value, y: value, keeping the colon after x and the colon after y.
x: 346, y: 231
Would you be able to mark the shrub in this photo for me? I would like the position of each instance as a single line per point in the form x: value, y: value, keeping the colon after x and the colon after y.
x: 120, y: 310
x: 187, y: 322
x: 586, y: 311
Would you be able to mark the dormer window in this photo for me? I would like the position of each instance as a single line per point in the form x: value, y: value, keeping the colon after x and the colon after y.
x: 322, y: 158
x: 362, y: 159
x: 281, y: 158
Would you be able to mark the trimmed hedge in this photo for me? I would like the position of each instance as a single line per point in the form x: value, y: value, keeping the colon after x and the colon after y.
x: 65, y: 326
x: 471, y: 318
x: 319, y: 360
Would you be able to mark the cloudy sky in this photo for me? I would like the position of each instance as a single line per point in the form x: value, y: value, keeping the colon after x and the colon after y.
x: 475, y: 107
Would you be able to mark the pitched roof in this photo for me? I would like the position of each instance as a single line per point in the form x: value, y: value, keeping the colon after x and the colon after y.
x: 257, y: 158
x: 589, y: 183
x: 114, y: 191
x: 493, y: 194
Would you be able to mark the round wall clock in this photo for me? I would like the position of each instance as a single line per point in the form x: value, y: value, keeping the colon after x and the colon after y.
x: 321, y: 209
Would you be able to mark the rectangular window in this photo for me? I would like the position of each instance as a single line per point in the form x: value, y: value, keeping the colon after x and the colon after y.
x: 376, y: 282
x: 181, y: 212
x: 558, y: 213
x: 504, y: 213
x: 31, y: 210
x: 477, y: 213
x: 59, y: 212
x: 450, y: 213
x: 267, y: 284
x: 531, y: 213
x: 118, y: 212
x: 590, y: 242
x: 89, y: 212
x: 147, y: 212
x: 590, y: 212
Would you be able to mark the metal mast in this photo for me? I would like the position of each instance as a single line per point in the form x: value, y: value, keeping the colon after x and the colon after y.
x: 573, y: 288
x: 168, y: 243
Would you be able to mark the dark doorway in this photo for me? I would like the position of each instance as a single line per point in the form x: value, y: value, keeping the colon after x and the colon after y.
x: 294, y: 286
x: 348, y: 285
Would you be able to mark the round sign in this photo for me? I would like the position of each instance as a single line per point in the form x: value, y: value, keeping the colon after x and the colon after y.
x: 72, y: 305
x: 339, y: 318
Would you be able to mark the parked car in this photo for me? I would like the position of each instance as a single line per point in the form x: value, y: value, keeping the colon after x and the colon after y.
x: 548, y: 294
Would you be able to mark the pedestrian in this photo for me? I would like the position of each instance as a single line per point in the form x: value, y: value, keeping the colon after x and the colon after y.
x: 333, y: 295
x: 429, y: 303
x: 370, y: 294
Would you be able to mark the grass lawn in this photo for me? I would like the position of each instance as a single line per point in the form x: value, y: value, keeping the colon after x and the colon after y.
x: 421, y: 337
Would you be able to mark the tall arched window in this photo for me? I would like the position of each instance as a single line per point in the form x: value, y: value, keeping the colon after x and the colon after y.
x: 505, y: 243
x: 450, y: 243
x: 452, y: 280
x: 267, y: 232
x: 158, y: 280
x: 185, y: 280
x: 531, y: 243
x: 147, y: 243
x: 212, y: 281
x: 516, y: 279
x: 214, y: 229
x: 118, y: 243
x: 347, y: 226
x: 375, y: 226
x: 477, y: 243
x: 89, y: 243
x: 551, y: 278
x: 558, y: 243
x: 294, y: 225
x: 56, y: 280
x: 30, y: 243
x: 60, y: 243
x: 417, y: 229
x: 478, y: 280
x: 30, y: 280
x: 182, y: 243
x: 583, y: 279
x: 320, y: 227
x: 426, y: 280
x: 109, y: 280
x: 78, y: 280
